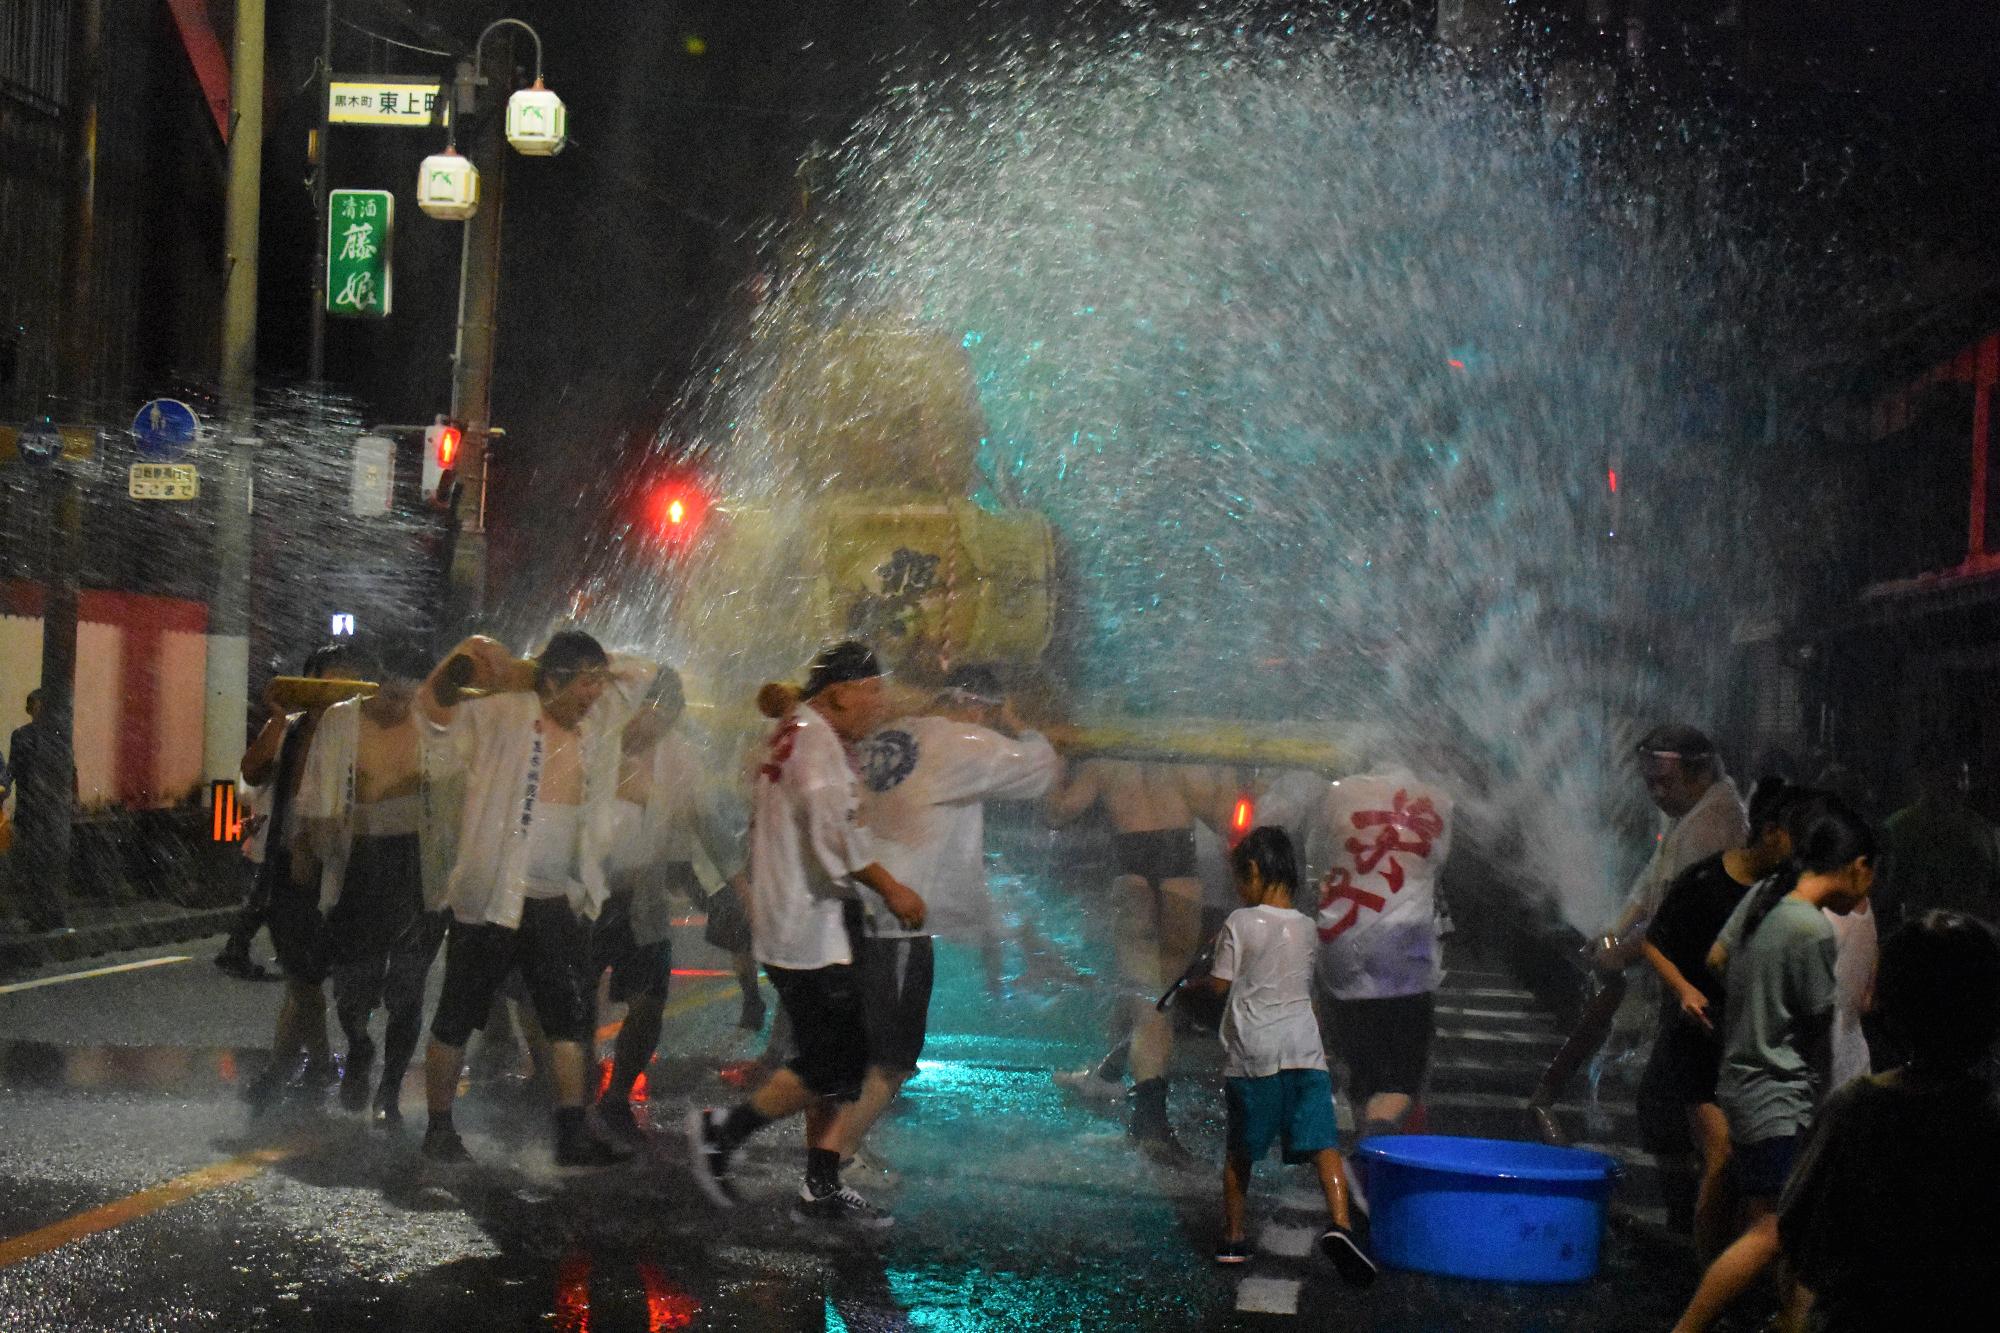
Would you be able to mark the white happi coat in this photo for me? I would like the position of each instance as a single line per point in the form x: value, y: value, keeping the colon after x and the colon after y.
x: 805, y: 845
x: 498, y: 741
x: 1381, y: 841
x: 925, y: 781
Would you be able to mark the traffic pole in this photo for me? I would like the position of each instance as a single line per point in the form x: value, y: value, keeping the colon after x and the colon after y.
x: 322, y: 133
x: 228, y: 687
x: 46, y: 805
x: 472, y: 356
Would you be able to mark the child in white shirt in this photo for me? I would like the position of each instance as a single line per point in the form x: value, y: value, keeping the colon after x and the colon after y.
x: 1274, y: 1071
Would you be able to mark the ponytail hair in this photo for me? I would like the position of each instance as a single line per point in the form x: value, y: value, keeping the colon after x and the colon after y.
x: 1826, y: 835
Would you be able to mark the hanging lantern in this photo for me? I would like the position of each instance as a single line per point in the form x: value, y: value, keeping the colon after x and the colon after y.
x: 537, y: 124
x: 448, y: 186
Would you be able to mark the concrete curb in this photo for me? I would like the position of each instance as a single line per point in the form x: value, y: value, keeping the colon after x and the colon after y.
x: 25, y: 953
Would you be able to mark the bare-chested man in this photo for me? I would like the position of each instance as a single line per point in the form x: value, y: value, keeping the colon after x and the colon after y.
x: 378, y: 808
x: 1157, y: 897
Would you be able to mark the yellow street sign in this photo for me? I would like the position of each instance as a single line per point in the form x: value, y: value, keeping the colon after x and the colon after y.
x: 383, y: 102
x: 163, y: 481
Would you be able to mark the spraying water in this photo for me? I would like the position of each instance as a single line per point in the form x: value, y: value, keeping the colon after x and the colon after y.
x: 1358, y: 395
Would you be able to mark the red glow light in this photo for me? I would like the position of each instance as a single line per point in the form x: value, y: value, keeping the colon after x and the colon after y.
x: 1456, y: 364
x: 676, y: 510
x: 448, y: 440
x: 667, y: 1306
x: 1240, y: 819
x: 1612, y: 476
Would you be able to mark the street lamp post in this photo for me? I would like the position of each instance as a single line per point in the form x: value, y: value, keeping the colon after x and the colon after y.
x: 472, y: 189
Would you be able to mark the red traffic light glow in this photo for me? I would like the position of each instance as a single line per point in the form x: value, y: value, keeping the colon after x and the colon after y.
x: 676, y: 510
x: 448, y: 440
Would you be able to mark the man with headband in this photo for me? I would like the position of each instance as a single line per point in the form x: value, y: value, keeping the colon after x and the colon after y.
x: 540, y: 750
x: 1702, y: 816
x: 807, y: 854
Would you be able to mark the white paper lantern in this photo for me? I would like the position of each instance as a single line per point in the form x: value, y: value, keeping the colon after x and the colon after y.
x: 448, y: 186
x: 537, y: 124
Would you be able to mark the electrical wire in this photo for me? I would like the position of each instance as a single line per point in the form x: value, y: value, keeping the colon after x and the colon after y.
x: 384, y: 37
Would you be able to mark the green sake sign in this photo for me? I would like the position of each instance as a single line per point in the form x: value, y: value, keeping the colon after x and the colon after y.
x: 360, y: 226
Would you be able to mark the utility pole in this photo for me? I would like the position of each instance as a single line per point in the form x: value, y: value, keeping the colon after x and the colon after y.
x: 229, y: 604
x: 472, y: 356
x: 316, y: 351
x: 47, y: 803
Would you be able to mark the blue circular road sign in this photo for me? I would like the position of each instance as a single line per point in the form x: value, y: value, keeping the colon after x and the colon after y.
x: 40, y: 442
x: 165, y: 428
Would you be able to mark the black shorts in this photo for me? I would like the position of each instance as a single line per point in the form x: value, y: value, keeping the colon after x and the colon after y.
x: 1156, y: 855
x: 298, y: 934
x: 1680, y: 1073
x: 1385, y: 1044
x: 896, y: 978
x: 378, y: 939
x: 728, y: 926
x: 1763, y: 1167
x: 552, y: 950
x: 829, y: 1027
x: 636, y: 969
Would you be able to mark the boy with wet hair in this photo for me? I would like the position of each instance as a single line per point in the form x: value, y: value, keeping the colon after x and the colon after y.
x: 540, y: 748
x: 378, y: 807
x: 1274, y: 1068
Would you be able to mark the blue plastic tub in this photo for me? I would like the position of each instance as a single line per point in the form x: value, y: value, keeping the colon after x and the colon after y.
x: 1486, y: 1208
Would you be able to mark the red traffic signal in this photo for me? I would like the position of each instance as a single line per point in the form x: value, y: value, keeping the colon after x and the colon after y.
x: 675, y: 510
x: 443, y: 440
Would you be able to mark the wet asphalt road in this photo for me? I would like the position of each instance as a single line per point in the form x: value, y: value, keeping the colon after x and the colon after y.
x: 136, y: 1193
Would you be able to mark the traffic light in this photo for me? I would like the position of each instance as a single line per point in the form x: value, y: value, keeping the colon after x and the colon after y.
x: 676, y: 509
x: 442, y: 439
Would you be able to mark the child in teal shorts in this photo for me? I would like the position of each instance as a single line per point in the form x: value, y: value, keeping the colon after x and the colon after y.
x: 1274, y: 1071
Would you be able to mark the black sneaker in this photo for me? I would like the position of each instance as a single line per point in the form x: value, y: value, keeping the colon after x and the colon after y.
x: 618, y: 1120
x: 1163, y: 1148
x: 354, y: 1079
x: 242, y: 967
x: 264, y: 1091
x: 587, y: 1149
x: 840, y: 1208
x: 389, y: 1107
x: 1356, y: 1269
x: 751, y: 1019
x: 707, y: 1158
x: 1233, y: 1252
x: 445, y: 1146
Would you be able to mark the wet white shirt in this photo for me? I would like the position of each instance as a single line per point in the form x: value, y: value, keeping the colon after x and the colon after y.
x: 682, y: 819
x: 924, y: 782
x: 805, y: 845
x: 499, y: 742
x: 1856, y: 951
x: 1715, y: 824
x: 1266, y: 956
x: 1379, y: 846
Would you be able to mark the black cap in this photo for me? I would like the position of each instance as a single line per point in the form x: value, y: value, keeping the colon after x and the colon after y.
x: 848, y: 660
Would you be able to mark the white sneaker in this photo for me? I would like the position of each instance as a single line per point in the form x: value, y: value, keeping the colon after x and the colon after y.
x: 1089, y: 1084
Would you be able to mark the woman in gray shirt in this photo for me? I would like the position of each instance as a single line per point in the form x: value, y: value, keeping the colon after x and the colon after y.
x: 1776, y: 957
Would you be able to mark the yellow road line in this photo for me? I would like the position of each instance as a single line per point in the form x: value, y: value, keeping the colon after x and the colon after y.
x: 133, y: 1206
x: 38, y: 982
x: 120, y: 1211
